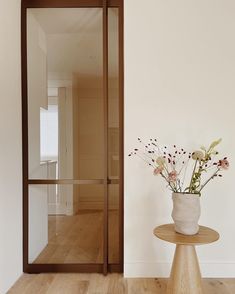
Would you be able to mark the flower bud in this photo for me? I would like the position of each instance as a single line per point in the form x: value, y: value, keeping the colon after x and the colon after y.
x: 197, y: 155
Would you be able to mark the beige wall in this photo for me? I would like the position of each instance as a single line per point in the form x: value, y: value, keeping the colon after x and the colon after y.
x: 179, y: 87
x: 10, y: 145
x: 88, y: 132
x: 88, y: 140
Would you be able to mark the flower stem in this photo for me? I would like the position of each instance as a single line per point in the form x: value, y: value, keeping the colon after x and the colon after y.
x: 190, y: 186
x: 172, y: 188
x: 214, y: 174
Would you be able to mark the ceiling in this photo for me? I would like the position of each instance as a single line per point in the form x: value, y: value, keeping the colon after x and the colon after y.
x: 74, y: 39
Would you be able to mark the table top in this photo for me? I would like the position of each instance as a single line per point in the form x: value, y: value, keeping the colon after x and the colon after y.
x: 204, y: 236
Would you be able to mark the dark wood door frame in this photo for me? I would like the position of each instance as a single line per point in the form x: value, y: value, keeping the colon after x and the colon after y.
x: 104, y: 4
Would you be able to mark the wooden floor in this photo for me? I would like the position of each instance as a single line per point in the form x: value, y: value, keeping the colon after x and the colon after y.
x: 112, y: 284
x: 79, y: 238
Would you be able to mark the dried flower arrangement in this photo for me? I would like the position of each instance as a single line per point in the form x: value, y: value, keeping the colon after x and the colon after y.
x: 173, y: 164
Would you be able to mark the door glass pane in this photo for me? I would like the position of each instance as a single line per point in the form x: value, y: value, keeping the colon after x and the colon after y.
x: 113, y: 136
x: 65, y: 224
x: 66, y: 134
x: 65, y: 95
x: 113, y: 224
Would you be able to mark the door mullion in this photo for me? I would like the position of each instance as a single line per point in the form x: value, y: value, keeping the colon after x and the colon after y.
x: 105, y: 97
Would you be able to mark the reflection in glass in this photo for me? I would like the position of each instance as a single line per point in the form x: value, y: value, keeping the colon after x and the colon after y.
x: 66, y: 135
x: 65, y: 95
x: 58, y: 236
x: 113, y: 136
x: 113, y: 224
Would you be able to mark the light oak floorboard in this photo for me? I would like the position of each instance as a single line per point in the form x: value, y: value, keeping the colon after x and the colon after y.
x: 230, y: 284
x: 214, y: 286
x: 79, y: 238
x: 111, y: 284
x: 33, y: 284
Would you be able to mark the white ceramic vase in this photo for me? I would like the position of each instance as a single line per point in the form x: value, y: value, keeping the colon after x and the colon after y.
x: 186, y: 213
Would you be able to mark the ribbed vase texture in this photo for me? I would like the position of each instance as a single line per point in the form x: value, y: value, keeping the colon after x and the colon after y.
x: 186, y: 213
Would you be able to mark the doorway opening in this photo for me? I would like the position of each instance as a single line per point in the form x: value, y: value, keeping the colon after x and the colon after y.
x: 72, y: 108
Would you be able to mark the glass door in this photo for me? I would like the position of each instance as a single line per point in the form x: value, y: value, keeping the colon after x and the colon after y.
x: 72, y: 136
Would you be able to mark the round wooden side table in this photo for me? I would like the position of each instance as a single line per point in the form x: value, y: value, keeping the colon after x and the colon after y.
x: 185, y: 277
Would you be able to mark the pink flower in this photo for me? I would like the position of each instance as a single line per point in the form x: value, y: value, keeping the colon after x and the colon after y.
x: 172, y: 176
x: 223, y: 163
x: 158, y: 170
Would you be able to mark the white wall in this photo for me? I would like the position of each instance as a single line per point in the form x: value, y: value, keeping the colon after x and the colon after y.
x: 37, y: 98
x: 179, y: 87
x: 10, y: 145
x: 37, y: 89
x: 38, y: 220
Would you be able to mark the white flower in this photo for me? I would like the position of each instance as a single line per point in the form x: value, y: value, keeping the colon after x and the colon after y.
x: 197, y: 155
x: 160, y: 161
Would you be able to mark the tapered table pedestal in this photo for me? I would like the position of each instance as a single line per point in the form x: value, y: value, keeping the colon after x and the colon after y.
x: 185, y: 277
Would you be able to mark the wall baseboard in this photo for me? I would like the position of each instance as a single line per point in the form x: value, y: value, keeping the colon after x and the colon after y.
x: 162, y: 270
